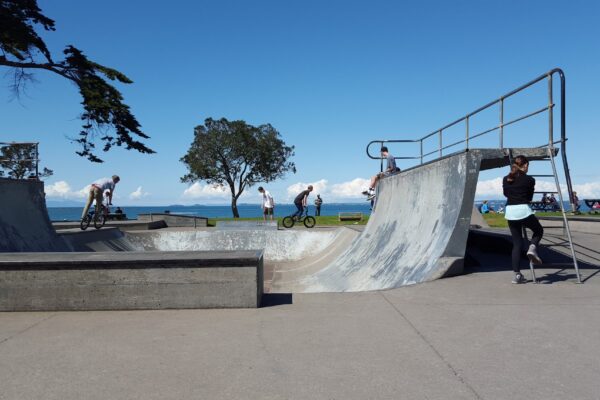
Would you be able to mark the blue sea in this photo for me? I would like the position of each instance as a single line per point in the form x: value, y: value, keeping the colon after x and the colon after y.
x: 245, y: 210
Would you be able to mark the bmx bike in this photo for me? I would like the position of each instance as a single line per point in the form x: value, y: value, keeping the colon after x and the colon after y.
x: 99, y: 219
x: 308, y: 220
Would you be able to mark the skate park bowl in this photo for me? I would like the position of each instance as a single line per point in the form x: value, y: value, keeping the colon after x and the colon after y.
x: 415, y: 234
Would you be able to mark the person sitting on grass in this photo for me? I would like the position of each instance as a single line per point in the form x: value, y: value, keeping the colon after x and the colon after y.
x: 485, y: 208
x: 390, y: 169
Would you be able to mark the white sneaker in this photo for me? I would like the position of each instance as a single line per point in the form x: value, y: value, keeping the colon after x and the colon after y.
x: 533, y: 256
x: 519, y: 278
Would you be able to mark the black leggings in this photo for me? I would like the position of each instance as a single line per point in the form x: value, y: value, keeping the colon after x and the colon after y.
x: 516, y: 230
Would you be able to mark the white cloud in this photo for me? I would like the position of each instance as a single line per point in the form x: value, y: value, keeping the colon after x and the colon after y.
x: 62, y: 190
x: 588, y: 190
x: 138, y: 194
x: 350, y: 189
x: 198, y: 191
x: 319, y: 187
x: 493, y: 189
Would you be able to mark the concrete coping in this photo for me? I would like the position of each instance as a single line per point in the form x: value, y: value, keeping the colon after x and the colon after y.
x: 128, y: 259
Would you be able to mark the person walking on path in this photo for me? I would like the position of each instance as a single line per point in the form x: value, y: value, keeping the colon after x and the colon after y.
x: 268, y: 204
x: 518, y: 187
x: 390, y: 169
x: 318, y: 202
x: 96, y: 193
x: 301, y: 201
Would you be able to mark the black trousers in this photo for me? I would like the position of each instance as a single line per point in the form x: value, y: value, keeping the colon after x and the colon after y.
x: 516, y: 230
x: 318, y: 211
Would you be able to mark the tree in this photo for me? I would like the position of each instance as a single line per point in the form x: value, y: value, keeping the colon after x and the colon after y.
x: 104, y: 115
x: 20, y: 160
x: 236, y: 154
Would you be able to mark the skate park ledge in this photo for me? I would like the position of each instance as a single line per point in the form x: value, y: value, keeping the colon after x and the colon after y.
x: 130, y: 280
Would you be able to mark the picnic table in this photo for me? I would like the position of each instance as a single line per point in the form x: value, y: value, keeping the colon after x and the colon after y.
x: 544, y: 206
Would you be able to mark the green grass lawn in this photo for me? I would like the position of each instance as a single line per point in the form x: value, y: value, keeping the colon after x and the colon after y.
x: 330, y: 220
x: 498, y: 221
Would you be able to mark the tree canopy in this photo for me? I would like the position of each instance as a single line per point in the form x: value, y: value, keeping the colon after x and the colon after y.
x: 238, y: 155
x: 105, y: 116
x: 20, y: 160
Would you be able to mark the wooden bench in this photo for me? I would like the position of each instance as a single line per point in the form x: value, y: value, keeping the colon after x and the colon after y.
x: 350, y: 216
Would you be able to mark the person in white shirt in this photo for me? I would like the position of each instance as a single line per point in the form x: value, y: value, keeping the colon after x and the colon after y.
x: 268, y: 205
x: 97, y: 193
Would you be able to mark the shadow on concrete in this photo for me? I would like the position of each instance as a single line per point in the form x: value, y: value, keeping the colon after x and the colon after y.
x: 491, y: 252
x: 276, y: 299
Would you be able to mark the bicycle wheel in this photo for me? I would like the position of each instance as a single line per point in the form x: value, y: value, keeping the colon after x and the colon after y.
x: 85, y: 222
x: 309, y: 221
x: 100, y: 221
x: 288, y: 221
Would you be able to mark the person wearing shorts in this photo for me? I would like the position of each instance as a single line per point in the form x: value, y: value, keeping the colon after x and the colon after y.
x: 96, y: 193
x: 268, y: 204
x: 518, y: 187
x: 390, y: 169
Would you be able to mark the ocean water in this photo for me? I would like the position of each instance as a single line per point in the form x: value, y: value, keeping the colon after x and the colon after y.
x: 245, y: 210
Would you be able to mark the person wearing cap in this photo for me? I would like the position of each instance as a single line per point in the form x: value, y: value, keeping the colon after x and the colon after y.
x: 301, y: 201
x: 97, y: 190
x: 390, y: 169
x: 268, y: 204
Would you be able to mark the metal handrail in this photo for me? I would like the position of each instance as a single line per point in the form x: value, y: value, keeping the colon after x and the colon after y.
x: 499, y: 101
x: 35, y: 160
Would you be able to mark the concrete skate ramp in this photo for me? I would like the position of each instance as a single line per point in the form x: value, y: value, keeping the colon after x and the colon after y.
x: 24, y: 221
x: 278, y: 246
x: 417, y: 232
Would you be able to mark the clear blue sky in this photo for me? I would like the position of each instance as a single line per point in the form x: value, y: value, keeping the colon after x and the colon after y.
x: 329, y: 75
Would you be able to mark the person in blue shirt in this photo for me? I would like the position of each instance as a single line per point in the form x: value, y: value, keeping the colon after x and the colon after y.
x: 485, y: 208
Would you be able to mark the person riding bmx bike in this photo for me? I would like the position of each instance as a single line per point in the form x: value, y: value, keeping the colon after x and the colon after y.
x: 97, y: 190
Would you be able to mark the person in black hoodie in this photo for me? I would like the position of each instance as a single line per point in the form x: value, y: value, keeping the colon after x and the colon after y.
x: 518, y: 188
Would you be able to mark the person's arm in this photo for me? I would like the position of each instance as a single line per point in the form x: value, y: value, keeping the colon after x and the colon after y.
x: 305, y: 200
x: 531, y: 189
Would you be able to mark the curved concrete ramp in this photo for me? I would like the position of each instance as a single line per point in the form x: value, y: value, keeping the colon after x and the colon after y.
x: 417, y: 233
x: 24, y: 221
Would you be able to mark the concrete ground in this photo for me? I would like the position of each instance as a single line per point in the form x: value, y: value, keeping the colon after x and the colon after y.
x: 475, y: 336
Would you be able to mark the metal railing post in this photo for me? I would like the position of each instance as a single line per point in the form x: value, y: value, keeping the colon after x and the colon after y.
x: 502, y: 123
x: 550, y: 114
x: 421, y: 142
x: 467, y: 140
x: 37, y: 163
x: 440, y: 142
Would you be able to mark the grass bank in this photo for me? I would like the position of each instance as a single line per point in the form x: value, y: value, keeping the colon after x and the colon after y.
x: 329, y: 220
x: 498, y: 221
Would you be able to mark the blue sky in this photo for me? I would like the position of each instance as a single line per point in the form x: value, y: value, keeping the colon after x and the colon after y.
x: 329, y: 75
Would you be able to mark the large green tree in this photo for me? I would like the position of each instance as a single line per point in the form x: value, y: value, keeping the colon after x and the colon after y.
x: 238, y: 155
x: 105, y: 117
x: 20, y: 160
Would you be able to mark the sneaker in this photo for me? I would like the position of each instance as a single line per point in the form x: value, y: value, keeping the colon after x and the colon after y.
x: 519, y: 278
x: 371, y: 196
x: 533, y: 256
x: 365, y: 192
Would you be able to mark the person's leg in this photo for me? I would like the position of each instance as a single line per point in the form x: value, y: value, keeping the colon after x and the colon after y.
x: 299, y: 210
x: 265, y: 214
x: 272, y: 213
x: 532, y: 223
x: 88, y: 204
x: 516, y: 231
x: 99, y: 196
